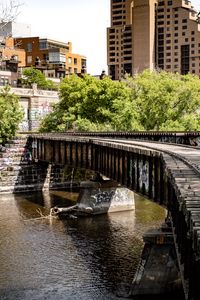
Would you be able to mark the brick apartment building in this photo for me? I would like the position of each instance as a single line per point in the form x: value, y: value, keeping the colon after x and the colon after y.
x: 11, y: 58
x: 153, y: 34
x: 54, y: 58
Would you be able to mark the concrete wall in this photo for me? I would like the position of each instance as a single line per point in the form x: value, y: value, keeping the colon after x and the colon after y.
x: 36, y: 104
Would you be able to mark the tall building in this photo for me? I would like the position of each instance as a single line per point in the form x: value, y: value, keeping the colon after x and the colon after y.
x: 53, y: 58
x: 153, y: 34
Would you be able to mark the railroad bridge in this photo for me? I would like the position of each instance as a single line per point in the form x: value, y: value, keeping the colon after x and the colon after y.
x: 167, y: 173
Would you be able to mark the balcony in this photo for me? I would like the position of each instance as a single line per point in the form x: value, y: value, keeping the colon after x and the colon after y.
x: 186, y: 4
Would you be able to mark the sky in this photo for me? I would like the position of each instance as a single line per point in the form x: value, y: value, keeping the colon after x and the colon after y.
x: 82, y: 22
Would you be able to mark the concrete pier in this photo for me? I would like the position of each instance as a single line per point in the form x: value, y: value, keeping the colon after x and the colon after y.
x: 158, y: 273
x: 96, y: 198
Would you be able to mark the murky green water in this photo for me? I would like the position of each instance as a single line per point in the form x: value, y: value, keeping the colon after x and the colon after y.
x: 85, y: 258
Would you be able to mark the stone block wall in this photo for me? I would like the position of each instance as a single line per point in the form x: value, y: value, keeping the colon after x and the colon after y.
x: 18, y: 173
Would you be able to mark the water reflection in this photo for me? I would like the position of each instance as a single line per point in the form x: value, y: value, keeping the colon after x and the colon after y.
x: 86, y: 258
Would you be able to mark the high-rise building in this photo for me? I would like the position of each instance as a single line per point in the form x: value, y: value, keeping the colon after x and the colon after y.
x: 153, y: 34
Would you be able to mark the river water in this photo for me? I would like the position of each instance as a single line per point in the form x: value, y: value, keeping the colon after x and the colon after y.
x: 83, y: 258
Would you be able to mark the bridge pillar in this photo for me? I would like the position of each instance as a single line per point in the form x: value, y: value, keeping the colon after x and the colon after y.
x: 158, y: 272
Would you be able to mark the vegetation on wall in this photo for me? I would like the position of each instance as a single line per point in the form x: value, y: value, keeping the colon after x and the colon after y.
x: 149, y: 101
x: 11, y: 114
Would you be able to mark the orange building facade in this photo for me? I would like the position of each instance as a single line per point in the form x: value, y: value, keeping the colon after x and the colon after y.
x: 54, y: 58
x: 11, y: 58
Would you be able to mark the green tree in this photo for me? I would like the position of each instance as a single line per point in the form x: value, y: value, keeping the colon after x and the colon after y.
x: 149, y: 101
x: 32, y: 75
x: 87, y: 103
x: 166, y: 101
x: 11, y: 114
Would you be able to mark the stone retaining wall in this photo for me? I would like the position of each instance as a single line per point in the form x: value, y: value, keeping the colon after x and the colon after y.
x: 18, y: 173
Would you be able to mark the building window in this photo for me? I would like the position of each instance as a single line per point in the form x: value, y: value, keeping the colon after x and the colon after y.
x: 69, y: 60
x: 29, y: 59
x: 75, y: 61
x: 75, y: 70
x: 161, y: 30
x: 185, y: 59
x: 45, y: 57
x: 170, y: 2
x: 29, y: 47
x: 43, y: 45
